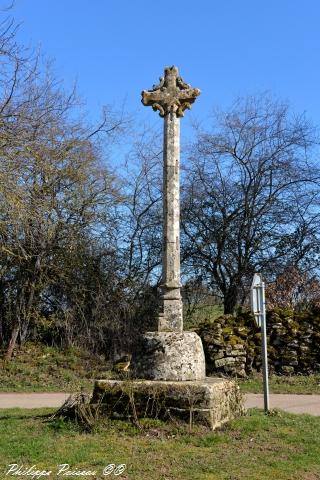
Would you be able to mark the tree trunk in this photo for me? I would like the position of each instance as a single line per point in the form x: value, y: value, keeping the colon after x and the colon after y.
x: 28, y: 310
x: 13, y: 342
x: 230, y: 300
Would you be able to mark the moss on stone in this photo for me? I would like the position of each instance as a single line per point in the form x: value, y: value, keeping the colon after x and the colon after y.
x: 288, y: 332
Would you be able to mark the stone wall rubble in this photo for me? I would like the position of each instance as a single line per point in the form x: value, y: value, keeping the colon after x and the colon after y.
x: 232, y: 345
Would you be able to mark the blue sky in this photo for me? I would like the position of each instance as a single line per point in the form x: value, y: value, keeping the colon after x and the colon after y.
x: 227, y: 48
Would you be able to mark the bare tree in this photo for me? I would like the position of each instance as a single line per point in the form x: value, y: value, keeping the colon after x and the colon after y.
x: 56, y: 193
x: 251, y: 197
x: 142, y: 216
x: 294, y: 290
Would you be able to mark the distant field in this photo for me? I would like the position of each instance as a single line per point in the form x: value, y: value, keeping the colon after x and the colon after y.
x: 255, y: 447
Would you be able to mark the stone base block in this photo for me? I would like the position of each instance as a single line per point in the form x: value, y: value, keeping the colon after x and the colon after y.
x: 169, y: 356
x: 213, y: 401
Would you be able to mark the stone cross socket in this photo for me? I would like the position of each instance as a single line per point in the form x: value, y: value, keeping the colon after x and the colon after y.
x: 171, y: 97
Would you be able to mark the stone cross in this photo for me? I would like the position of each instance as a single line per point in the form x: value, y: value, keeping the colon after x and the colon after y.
x: 171, y: 97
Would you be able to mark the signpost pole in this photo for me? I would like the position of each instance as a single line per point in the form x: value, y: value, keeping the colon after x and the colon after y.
x: 264, y: 353
x: 258, y: 307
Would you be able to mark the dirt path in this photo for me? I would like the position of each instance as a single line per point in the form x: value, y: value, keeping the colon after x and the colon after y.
x: 291, y: 403
x: 32, y: 400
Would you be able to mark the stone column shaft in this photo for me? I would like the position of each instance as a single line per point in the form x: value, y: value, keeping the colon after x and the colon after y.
x: 171, y: 319
x: 171, y: 97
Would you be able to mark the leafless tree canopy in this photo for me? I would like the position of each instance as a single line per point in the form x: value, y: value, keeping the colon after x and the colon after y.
x: 251, y: 197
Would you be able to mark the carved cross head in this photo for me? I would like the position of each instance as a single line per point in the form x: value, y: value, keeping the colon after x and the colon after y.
x: 171, y: 95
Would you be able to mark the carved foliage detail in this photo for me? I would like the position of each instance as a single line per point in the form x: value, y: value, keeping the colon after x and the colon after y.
x: 171, y: 95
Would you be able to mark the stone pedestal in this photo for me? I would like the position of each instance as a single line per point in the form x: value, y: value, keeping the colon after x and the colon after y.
x: 169, y: 356
x: 212, y: 401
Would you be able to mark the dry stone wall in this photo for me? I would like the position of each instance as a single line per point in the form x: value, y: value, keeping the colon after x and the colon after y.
x: 232, y: 345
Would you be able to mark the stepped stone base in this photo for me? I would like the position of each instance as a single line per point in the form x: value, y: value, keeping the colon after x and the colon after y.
x: 213, y: 401
x: 169, y: 356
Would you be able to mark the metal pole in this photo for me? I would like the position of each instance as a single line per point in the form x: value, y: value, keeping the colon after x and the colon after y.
x: 264, y: 354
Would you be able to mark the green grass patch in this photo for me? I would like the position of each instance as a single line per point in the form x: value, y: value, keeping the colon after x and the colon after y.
x: 201, y: 314
x: 37, y: 368
x: 295, y: 384
x: 282, y: 446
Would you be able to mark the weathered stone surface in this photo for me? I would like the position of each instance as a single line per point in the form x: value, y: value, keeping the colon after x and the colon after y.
x: 171, y: 318
x: 169, y: 356
x: 225, y: 362
x: 288, y: 370
x: 292, y: 348
x: 236, y: 353
x: 212, y: 401
x: 218, y: 355
x: 171, y: 95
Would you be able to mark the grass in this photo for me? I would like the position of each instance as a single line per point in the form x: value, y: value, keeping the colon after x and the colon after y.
x: 38, y: 368
x: 295, y: 384
x: 202, y: 313
x: 275, y: 447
